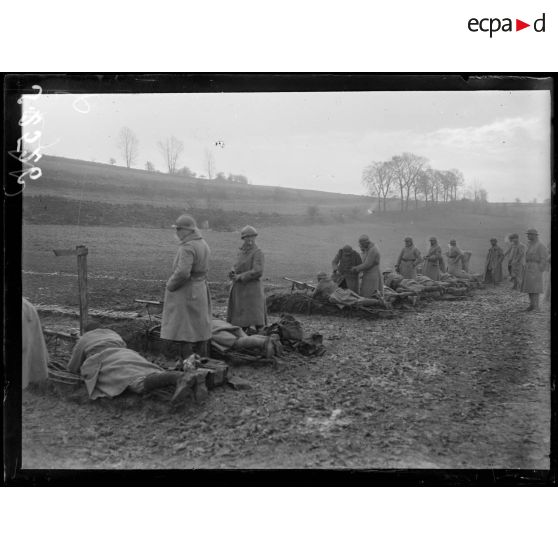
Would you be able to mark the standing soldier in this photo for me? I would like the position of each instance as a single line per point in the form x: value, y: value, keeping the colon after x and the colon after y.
x: 535, y: 264
x: 455, y: 259
x: 408, y: 260
x: 187, y: 306
x: 493, y: 266
x: 246, y: 298
x: 372, y: 280
x: 343, y: 263
x: 516, y: 260
x: 432, y: 260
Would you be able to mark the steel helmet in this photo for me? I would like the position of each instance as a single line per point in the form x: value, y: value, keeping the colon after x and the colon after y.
x: 185, y: 222
x: 248, y: 231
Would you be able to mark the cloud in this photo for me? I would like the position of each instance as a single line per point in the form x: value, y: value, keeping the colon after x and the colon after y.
x: 496, y: 136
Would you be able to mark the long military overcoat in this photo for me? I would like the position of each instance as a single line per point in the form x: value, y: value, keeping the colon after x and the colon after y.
x: 493, y: 266
x: 370, y: 267
x: 455, y: 261
x: 535, y: 264
x: 187, y: 306
x: 516, y: 260
x: 107, y: 366
x: 407, y: 262
x: 432, y: 262
x: 343, y: 263
x: 246, y: 298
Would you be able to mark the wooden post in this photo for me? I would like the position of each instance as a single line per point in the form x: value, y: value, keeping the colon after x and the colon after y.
x: 81, y: 253
x: 82, y: 287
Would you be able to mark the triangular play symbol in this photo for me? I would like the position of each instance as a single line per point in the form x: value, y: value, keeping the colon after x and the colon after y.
x: 519, y: 25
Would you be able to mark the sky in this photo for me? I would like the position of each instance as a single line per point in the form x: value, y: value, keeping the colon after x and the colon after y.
x: 500, y: 140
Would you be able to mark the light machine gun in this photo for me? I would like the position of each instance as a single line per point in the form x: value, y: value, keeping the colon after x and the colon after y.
x: 299, y: 285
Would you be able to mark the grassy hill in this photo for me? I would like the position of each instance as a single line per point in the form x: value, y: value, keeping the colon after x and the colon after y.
x: 72, y: 178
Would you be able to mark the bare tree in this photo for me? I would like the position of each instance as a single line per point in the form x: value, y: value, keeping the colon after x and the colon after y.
x: 209, y: 163
x: 475, y: 187
x: 112, y: 160
x: 433, y: 185
x: 422, y: 186
x: 446, y: 180
x: 406, y: 168
x: 479, y: 193
x: 458, y: 183
x: 171, y: 148
x: 149, y: 166
x: 128, y: 144
x: 377, y: 178
x: 452, y: 183
x: 436, y: 184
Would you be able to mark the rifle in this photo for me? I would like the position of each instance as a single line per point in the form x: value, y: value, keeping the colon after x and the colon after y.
x: 299, y: 285
x: 148, y: 304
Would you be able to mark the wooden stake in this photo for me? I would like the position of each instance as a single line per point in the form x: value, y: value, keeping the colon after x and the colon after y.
x: 82, y: 287
x: 81, y: 253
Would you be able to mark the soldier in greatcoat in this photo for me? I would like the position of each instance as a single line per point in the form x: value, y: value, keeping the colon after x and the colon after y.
x: 408, y: 260
x: 455, y: 260
x: 372, y: 281
x: 108, y: 367
x: 493, y: 266
x: 535, y: 264
x: 343, y: 263
x: 432, y: 260
x: 516, y: 260
x: 246, y: 298
x: 187, y: 305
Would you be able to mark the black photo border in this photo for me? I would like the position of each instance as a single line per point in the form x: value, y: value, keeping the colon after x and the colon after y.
x: 15, y: 85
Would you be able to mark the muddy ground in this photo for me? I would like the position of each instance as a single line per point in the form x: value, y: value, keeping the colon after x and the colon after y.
x: 462, y: 384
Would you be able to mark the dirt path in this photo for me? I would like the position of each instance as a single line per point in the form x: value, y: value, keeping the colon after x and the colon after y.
x: 457, y: 384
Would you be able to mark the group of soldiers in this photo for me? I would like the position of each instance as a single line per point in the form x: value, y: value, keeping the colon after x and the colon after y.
x: 356, y: 277
x: 360, y: 273
x: 187, y: 316
x: 108, y: 367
